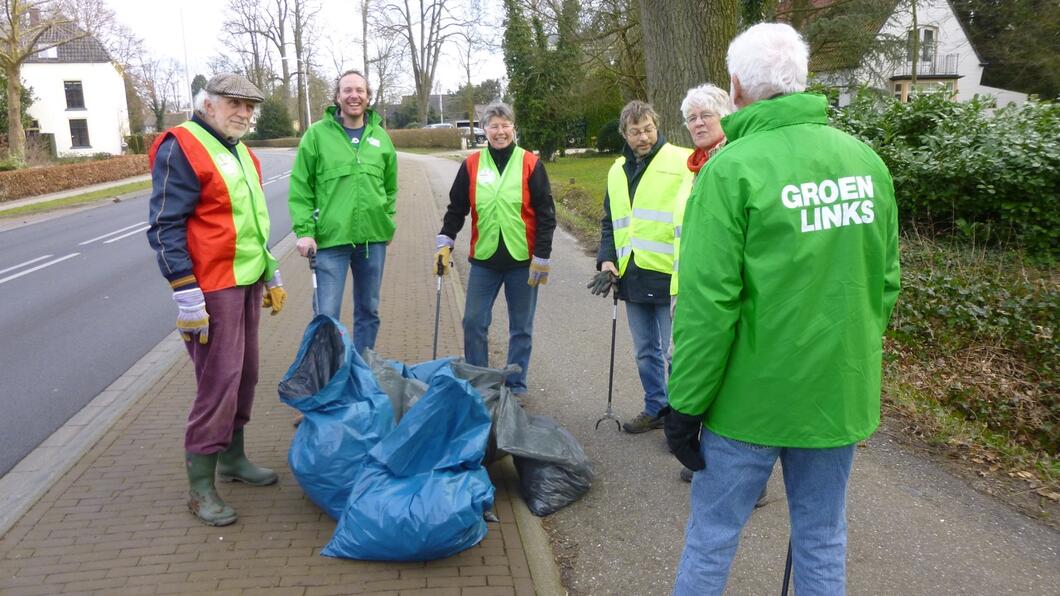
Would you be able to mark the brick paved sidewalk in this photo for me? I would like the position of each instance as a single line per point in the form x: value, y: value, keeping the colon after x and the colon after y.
x: 116, y: 523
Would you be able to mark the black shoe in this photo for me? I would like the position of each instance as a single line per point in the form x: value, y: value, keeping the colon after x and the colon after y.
x: 686, y: 474
x: 643, y: 423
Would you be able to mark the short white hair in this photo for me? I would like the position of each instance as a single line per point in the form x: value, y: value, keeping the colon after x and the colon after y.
x: 706, y: 97
x: 769, y: 59
x: 199, y: 103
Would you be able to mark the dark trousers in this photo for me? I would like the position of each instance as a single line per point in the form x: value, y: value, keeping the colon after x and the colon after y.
x: 226, y: 369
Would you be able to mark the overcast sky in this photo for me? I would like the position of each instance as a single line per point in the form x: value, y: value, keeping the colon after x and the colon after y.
x: 159, y: 24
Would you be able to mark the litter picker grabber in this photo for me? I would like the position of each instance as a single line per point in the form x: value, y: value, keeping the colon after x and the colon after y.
x: 609, y: 414
x: 787, y: 572
x: 439, y: 270
x: 313, y: 268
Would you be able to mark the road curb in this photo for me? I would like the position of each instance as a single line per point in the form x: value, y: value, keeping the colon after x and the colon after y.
x: 36, y: 473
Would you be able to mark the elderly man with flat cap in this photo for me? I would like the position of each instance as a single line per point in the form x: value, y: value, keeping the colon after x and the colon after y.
x: 210, y: 232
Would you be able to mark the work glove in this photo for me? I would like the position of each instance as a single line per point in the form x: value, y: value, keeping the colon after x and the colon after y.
x: 192, y: 318
x: 442, y: 258
x: 682, y: 435
x: 538, y: 272
x: 275, y: 296
x: 601, y: 283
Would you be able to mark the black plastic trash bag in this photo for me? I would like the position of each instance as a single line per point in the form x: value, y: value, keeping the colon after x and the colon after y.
x: 423, y: 491
x: 345, y: 414
x: 553, y: 469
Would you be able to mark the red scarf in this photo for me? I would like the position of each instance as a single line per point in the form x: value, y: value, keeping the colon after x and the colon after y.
x: 699, y: 157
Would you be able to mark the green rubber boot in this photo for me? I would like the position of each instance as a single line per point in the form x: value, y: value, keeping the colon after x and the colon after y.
x: 233, y: 465
x: 203, y: 499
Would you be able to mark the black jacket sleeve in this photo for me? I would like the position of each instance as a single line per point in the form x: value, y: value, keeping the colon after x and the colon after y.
x: 174, y: 195
x: 459, y: 204
x: 606, y: 252
x: 544, y: 211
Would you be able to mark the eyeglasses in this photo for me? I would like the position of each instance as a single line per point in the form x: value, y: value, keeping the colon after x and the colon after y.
x: 500, y: 126
x: 633, y: 133
x: 704, y: 116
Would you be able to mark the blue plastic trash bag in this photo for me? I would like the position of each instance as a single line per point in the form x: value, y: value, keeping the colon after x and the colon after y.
x: 423, y: 490
x: 346, y: 414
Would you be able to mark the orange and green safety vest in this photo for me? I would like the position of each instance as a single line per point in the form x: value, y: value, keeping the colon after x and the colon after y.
x: 500, y: 205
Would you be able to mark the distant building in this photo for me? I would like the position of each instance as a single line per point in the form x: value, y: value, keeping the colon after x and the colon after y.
x: 79, y: 95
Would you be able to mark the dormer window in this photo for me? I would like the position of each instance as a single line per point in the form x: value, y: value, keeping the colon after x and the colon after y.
x: 51, y: 53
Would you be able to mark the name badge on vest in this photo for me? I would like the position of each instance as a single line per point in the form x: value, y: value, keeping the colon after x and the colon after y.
x: 486, y: 177
x: 226, y: 163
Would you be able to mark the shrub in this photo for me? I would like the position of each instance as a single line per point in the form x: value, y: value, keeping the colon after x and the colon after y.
x: 280, y: 142
x: 37, y: 181
x: 140, y: 143
x: 963, y: 167
x: 609, y: 140
x: 274, y: 121
x: 440, y: 138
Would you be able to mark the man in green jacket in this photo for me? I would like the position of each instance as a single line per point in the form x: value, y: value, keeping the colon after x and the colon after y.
x: 342, y: 203
x: 788, y: 276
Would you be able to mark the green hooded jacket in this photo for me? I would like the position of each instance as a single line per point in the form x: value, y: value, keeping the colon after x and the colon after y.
x: 789, y: 272
x: 354, y: 187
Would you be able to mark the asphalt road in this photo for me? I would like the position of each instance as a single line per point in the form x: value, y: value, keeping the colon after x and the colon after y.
x: 82, y: 300
x: 913, y: 527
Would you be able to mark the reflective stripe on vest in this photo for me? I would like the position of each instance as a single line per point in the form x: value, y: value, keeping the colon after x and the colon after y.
x: 228, y: 232
x: 679, y: 216
x: 500, y: 205
x: 646, y: 224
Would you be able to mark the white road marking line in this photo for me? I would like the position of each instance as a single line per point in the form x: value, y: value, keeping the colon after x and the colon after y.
x: 126, y: 235
x: 41, y: 266
x: 111, y: 233
x: 29, y: 262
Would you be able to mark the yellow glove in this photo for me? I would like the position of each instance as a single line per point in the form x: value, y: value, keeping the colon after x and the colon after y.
x: 441, y: 260
x: 274, y: 296
x: 538, y: 272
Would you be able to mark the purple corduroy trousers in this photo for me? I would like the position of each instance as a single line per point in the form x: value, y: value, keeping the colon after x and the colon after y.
x: 226, y: 369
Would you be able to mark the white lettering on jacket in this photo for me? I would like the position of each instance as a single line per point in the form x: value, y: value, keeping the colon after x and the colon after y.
x: 831, y: 204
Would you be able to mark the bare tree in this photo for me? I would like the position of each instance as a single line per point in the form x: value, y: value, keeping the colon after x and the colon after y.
x: 702, y: 30
x: 248, y: 51
x: 386, y: 62
x: 159, y: 78
x: 273, y: 26
x: 304, y: 14
x: 27, y: 27
x: 612, y: 42
x: 425, y: 27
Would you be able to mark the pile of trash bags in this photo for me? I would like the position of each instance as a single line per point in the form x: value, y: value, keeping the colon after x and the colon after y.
x: 398, y: 454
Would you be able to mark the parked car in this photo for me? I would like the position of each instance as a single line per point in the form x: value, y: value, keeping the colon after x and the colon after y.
x: 440, y: 125
x: 479, y: 135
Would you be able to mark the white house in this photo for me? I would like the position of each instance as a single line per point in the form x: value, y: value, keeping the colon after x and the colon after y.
x: 79, y: 96
x: 946, y: 57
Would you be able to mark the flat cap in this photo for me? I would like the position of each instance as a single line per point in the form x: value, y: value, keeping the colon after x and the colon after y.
x: 232, y: 85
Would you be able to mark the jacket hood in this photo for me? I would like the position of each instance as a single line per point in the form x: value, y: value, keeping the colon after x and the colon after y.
x: 370, y: 116
x: 767, y: 114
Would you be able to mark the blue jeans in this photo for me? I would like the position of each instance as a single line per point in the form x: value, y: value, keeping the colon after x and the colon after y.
x: 483, y: 285
x: 366, y: 263
x: 724, y: 494
x: 649, y: 324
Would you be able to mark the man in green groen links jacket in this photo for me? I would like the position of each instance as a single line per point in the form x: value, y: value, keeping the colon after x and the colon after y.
x: 789, y: 273
x: 342, y: 203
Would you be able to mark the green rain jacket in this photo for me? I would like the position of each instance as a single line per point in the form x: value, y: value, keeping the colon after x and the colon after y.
x: 789, y: 272
x: 354, y: 187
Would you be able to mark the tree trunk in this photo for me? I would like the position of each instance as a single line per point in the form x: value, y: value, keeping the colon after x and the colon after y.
x: 364, y: 36
x: 16, y: 136
x: 684, y: 46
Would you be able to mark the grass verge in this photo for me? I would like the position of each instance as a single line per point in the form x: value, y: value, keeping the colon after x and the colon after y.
x: 79, y: 199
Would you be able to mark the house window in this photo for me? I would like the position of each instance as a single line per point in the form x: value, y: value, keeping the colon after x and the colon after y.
x: 79, y: 133
x: 898, y: 89
x: 49, y: 53
x: 927, y: 43
x: 75, y: 96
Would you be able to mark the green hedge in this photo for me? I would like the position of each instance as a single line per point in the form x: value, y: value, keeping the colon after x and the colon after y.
x: 966, y: 168
x: 140, y: 144
x: 440, y: 138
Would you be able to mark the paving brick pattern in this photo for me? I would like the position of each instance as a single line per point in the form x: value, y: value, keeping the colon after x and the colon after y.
x: 117, y: 523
